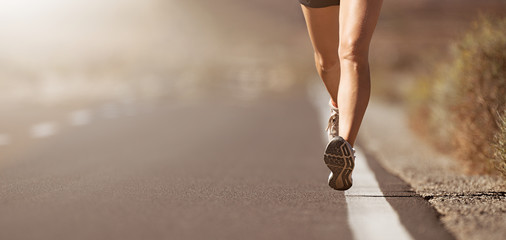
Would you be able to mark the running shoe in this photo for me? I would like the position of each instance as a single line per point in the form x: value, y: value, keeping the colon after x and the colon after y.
x: 333, y: 125
x: 340, y: 159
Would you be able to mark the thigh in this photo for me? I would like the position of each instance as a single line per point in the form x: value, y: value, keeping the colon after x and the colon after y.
x: 357, y: 22
x: 319, y: 3
x: 323, y: 28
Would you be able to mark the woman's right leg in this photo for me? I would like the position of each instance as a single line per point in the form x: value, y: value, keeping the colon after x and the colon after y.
x: 323, y: 29
x: 357, y: 23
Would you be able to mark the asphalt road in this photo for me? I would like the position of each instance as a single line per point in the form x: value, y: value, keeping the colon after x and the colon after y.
x: 218, y: 169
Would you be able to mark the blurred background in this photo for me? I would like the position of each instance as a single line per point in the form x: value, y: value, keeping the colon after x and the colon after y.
x: 57, y: 51
x: 60, y: 55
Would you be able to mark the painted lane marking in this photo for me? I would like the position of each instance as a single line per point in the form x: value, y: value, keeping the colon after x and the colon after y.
x: 80, y: 117
x: 370, y: 216
x: 42, y: 130
x: 4, y: 139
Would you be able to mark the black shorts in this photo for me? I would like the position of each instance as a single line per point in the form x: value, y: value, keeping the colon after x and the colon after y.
x: 319, y: 3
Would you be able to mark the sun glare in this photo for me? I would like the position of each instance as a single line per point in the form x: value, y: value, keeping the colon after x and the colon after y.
x: 32, y: 9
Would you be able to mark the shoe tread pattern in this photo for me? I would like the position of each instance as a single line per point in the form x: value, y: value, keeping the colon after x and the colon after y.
x: 339, y: 159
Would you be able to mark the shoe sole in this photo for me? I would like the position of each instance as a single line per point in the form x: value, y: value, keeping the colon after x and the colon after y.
x: 339, y: 160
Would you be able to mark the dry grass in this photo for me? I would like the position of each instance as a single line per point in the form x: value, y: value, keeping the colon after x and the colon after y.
x: 499, y: 159
x: 459, y: 104
x: 408, y: 32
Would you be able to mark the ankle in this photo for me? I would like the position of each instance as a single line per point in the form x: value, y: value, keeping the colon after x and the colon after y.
x: 334, y: 104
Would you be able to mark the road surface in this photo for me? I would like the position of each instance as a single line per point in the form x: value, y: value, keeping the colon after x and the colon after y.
x: 218, y: 169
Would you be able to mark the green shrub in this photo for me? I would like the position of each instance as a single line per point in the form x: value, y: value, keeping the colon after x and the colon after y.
x: 462, y: 102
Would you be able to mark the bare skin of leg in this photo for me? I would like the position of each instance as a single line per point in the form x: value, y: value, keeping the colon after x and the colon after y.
x: 323, y: 28
x: 357, y: 22
x: 346, y: 74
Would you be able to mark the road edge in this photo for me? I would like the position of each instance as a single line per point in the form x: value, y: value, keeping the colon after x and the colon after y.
x: 470, y: 207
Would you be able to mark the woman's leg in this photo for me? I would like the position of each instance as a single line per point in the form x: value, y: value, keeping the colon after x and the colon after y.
x: 323, y: 28
x: 356, y: 24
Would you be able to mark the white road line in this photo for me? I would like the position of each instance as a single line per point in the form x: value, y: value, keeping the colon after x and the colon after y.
x: 4, y: 139
x: 80, y: 117
x: 372, y: 217
x: 42, y: 130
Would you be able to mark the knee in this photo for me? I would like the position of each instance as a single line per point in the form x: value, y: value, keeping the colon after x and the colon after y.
x: 327, y: 62
x: 353, y: 51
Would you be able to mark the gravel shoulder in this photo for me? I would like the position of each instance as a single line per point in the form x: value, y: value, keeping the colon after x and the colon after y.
x: 470, y: 207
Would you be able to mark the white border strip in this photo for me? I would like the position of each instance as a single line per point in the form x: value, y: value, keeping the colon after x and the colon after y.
x: 42, y: 130
x: 370, y: 216
x: 80, y: 117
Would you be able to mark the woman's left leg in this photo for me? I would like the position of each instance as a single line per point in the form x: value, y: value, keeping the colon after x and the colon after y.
x: 357, y: 20
x: 323, y: 28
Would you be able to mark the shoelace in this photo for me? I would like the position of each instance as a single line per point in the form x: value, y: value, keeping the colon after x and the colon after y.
x: 332, y: 120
